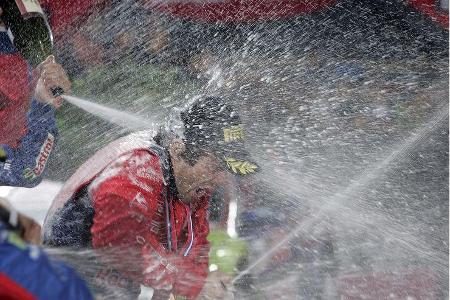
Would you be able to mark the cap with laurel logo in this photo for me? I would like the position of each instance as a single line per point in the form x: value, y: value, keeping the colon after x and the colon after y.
x: 211, y: 124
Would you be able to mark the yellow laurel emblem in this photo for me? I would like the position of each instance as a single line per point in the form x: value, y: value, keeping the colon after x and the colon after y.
x: 240, y: 167
x: 233, y: 133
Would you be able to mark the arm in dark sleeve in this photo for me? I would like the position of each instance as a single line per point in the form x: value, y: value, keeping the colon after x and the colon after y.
x: 24, y: 166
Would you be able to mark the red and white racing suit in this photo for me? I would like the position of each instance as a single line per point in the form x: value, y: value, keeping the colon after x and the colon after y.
x: 127, y: 196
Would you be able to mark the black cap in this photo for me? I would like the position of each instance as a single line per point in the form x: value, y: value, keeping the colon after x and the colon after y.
x: 213, y: 125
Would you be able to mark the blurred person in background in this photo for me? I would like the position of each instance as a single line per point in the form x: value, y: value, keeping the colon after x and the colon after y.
x: 262, y: 229
x: 27, y: 113
x: 74, y: 47
x: 26, y: 272
x: 298, y: 267
x: 142, y: 204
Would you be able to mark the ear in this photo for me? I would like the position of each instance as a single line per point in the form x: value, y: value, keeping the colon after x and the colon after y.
x: 176, y: 148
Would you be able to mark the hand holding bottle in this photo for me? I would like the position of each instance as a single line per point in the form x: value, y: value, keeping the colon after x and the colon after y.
x: 33, y: 38
x: 50, y: 76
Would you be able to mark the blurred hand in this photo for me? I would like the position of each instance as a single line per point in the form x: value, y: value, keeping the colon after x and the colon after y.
x: 217, y: 286
x: 31, y: 230
x: 49, y: 75
x: 161, y: 295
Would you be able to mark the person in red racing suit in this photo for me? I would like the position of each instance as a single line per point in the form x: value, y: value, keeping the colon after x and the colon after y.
x: 143, y: 205
x: 29, y: 132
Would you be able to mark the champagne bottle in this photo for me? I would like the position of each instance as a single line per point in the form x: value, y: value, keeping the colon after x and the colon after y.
x: 31, y: 32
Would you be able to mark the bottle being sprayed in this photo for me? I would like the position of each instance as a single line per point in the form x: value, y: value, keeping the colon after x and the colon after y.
x: 31, y: 32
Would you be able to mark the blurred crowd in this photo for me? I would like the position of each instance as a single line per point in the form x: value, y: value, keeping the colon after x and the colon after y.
x: 355, y: 83
x: 122, y: 32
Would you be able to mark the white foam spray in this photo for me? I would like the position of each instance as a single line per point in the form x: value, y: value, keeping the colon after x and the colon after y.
x: 357, y: 186
x: 121, y: 118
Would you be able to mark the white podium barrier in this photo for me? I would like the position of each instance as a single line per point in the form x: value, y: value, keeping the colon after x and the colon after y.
x: 33, y: 202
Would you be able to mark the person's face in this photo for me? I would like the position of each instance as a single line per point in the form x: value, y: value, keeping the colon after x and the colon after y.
x: 87, y: 52
x: 1, y: 22
x: 198, y: 180
x: 159, y: 38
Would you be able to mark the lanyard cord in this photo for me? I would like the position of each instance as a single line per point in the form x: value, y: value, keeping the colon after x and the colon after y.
x: 169, y: 218
x: 168, y: 223
x: 190, y: 232
x: 168, y: 197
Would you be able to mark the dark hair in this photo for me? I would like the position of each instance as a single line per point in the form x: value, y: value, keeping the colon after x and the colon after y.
x: 191, y: 153
x: 203, y: 125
